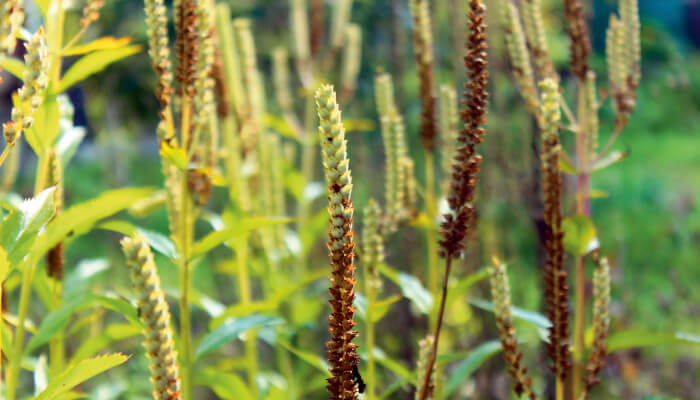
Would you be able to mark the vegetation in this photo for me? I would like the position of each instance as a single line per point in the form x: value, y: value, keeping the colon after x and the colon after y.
x: 203, y: 274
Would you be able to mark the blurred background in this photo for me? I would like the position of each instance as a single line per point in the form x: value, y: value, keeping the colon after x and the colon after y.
x: 646, y: 210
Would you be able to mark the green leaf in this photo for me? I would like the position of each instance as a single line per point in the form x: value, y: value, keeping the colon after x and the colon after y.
x: 112, y: 333
x: 393, y: 365
x: 460, y: 289
x: 160, y: 243
x: 18, y: 231
x: 598, y: 194
x: 79, y: 373
x: 579, y: 235
x: 57, y: 320
x: 174, y: 155
x: 103, y: 43
x: 379, y: 308
x: 68, y: 143
x: 94, y: 63
x: 641, y: 338
x: 411, y: 288
x: 81, y: 217
x: 566, y: 167
x: 471, y: 363
x: 13, y: 66
x: 312, y: 359
x: 532, y: 317
x: 610, y: 159
x: 242, y: 227
x: 225, y: 385
x: 231, y: 330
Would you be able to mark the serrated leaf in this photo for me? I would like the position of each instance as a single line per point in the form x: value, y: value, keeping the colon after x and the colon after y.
x: 81, y: 217
x: 224, y: 384
x: 242, y: 227
x: 19, y: 229
x: 579, y: 235
x: 59, y: 318
x: 92, y: 64
x: 532, y: 317
x: 79, y: 373
x: 642, y: 338
x: 612, y: 158
x: 230, y: 330
x: 474, y: 359
x: 411, y: 288
x: 13, y: 66
x: 103, y: 43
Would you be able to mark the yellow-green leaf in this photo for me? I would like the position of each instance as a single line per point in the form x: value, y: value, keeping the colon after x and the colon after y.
x: 174, y: 155
x: 566, y: 167
x: 579, y: 235
x: 104, y: 43
x: 13, y: 66
x: 244, y: 226
x: 94, y: 63
x: 598, y: 194
x: 79, y: 373
x: 610, y: 159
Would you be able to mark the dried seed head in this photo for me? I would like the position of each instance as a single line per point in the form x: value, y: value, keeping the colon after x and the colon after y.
x: 466, y: 164
x: 342, y: 353
x: 409, y: 187
x: 155, y: 315
x: 91, y: 12
x: 352, y: 57
x: 591, y: 121
x: 579, y: 42
x: 519, y: 56
x: 203, y: 95
x: 423, y: 47
x: 425, y: 349
x: 555, y: 276
x: 500, y: 293
x: 186, y: 45
x: 11, y: 20
x: 31, y: 95
x: 159, y: 48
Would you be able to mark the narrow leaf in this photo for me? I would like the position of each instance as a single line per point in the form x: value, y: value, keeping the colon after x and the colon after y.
x: 471, y: 363
x: 244, y: 226
x: 94, y: 63
x: 532, y: 317
x: 231, y: 330
x: 79, y: 373
x: 103, y: 43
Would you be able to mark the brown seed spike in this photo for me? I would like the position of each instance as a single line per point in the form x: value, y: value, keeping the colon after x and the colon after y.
x: 186, y: 46
x: 580, y: 44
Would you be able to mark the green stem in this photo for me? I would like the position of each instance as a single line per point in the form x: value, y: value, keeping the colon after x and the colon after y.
x: 18, y: 342
x: 431, y: 235
x: 56, y: 349
x: 251, y: 348
x: 369, y: 334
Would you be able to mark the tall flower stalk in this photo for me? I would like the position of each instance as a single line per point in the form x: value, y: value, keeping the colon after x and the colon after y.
x: 460, y: 222
x: 155, y: 315
x: 342, y: 353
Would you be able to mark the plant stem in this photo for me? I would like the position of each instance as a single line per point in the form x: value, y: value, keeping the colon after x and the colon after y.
x: 431, y: 236
x: 56, y: 349
x: 251, y: 349
x: 369, y: 342
x: 582, y: 208
x: 433, y: 354
x: 560, y: 389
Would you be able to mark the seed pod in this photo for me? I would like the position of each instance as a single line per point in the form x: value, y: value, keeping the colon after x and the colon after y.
x: 534, y: 29
x: 425, y: 348
x: 340, y: 19
x: 372, y: 244
x: 342, y: 353
x: 579, y: 42
x: 280, y: 72
x: 155, y: 315
x: 55, y: 260
x: 555, y: 276
x: 352, y: 58
x: 91, y: 12
x: 500, y: 293
x: 300, y: 32
x: 519, y: 56
x: 423, y: 47
x: 601, y: 321
x: 30, y: 95
x: 11, y: 20
x: 449, y: 127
